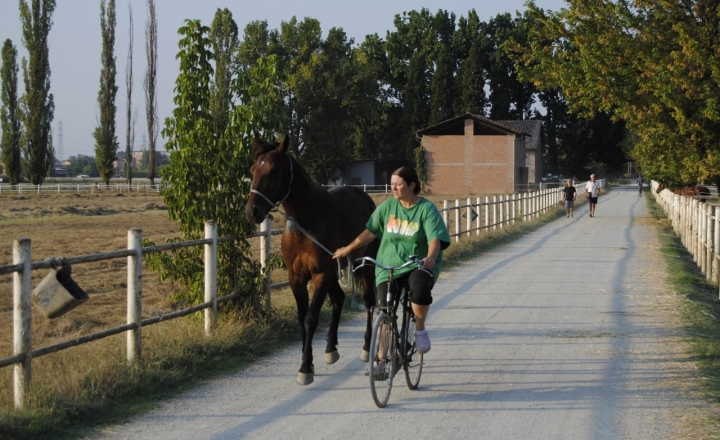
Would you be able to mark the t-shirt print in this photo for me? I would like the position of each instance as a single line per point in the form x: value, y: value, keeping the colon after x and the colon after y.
x: 402, y: 227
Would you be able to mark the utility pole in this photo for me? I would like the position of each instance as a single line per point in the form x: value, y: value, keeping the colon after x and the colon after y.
x: 60, y: 153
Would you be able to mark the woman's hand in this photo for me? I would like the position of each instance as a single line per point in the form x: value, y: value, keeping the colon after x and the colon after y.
x: 428, y: 262
x: 341, y: 253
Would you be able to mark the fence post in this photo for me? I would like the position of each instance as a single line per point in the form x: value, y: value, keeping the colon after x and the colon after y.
x: 134, y: 295
x: 445, y: 212
x: 211, y: 276
x: 479, y: 214
x: 513, y: 202
x: 22, y: 319
x: 487, y: 214
x: 708, y: 242
x: 469, y: 216
x: 716, y: 245
x: 265, y: 247
x: 457, y: 220
x: 524, y: 199
x: 501, y: 199
x: 495, y: 199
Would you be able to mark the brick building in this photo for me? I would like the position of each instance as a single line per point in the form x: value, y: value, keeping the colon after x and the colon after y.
x: 471, y: 154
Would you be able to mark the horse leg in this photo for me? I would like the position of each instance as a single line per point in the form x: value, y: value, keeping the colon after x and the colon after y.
x: 320, y: 288
x: 302, y: 299
x: 368, y: 276
x: 337, y: 298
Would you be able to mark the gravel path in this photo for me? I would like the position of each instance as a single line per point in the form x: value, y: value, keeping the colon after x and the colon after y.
x: 568, y: 332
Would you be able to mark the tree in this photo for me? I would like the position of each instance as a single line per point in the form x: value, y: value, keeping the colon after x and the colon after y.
x: 443, y: 78
x: 106, y: 144
x: 50, y: 158
x: 224, y: 36
x: 82, y: 164
x: 208, y: 173
x: 10, y: 113
x: 471, y: 77
x: 131, y: 117
x: 150, y: 86
x: 37, y: 103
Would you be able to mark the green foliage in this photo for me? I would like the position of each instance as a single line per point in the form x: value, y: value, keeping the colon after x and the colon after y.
x: 82, y: 164
x: 10, y: 113
x: 106, y: 143
x: 208, y: 174
x: 37, y: 103
x: 657, y: 69
x: 421, y: 164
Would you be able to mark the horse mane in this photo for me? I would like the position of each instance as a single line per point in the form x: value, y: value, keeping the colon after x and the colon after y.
x: 260, y: 147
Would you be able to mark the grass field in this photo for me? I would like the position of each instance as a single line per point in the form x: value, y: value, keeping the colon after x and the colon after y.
x: 79, y: 388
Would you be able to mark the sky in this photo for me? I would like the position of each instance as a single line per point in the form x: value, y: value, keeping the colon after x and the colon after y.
x: 75, y: 46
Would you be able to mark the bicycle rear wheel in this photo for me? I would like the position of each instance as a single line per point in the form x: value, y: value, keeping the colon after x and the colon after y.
x: 382, y: 351
x: 413, y: 359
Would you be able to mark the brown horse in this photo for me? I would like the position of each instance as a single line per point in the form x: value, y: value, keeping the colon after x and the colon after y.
x: 334, y: 218
x: 702, y: 191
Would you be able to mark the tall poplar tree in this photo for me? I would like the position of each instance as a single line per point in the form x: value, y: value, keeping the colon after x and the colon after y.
x: 38, y: 107
x: 131, y: 117
x: 150, y: 85
x: 224, y: 37
x: 106, y: 144
x: 10, y: 113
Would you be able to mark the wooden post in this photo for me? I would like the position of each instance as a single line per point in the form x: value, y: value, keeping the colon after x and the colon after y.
x: 716, y: 245
x: 211, y: 277
x: 265, y: 249
x: 134, y: 296
x: 469, y: 212
x: 513, y: 203
x: 487, y: 214
x: 501, y: 199
x: 446, y: 205
x: 495, y: 212
x: 524, y: 206
x: 457, y: 220
x: 478, y: 222
x: 22, y: 320
x: 708, y: 241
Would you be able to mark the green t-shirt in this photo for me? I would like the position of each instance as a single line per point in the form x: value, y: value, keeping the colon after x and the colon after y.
x: 404, y: 232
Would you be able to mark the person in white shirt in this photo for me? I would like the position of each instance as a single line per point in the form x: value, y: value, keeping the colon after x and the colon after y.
x: 592, y: 191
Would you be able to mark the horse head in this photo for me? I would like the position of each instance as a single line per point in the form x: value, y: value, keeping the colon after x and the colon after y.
x: 272, y: 175
x: 661, y: 186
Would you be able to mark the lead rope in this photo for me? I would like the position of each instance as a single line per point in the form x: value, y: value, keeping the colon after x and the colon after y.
x: 276, y: 208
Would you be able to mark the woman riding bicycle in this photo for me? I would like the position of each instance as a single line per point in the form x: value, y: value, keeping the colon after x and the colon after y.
x: 406, y: 225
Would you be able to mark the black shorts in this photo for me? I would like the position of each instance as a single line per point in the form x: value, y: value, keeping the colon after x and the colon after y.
x: 592, y: 200
x: 418, y: 283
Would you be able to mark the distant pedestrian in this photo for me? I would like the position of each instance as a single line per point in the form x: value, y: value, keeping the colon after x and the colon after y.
x: 592, y: 191
x: 640, y: 183
x: 569, y: 193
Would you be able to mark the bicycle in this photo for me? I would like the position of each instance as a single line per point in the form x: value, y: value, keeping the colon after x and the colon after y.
x: 390, y: 347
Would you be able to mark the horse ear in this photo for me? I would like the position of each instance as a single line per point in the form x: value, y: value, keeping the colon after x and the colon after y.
x: 283, y: 146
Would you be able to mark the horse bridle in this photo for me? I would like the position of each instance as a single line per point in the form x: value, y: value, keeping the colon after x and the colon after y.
x: 275, y: 205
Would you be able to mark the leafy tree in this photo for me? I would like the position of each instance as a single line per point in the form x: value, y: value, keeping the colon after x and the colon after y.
x: 131, y: 118
x: 443, y: 78
x: 150, y: 86
x: 469, y: 47
x: 50, y: 158
x: 82, y: 164
x: 37, y: 103
x: 656, y: 70
x: 10, y: 113
x: 106, y: 144
x: 208, y: 171
x: 224, y: 36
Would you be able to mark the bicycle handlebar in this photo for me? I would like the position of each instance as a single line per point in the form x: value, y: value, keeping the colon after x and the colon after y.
x: 413, y: 260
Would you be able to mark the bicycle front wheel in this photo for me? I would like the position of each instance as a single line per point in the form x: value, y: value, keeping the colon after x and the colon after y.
x: 382, y: 351
x: 413, y: 359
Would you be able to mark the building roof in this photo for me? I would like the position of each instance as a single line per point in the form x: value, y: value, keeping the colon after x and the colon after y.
x: 531, y: 127
x: 476, y: 118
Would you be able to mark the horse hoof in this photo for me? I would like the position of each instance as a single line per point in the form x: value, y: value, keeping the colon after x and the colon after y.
x: 332, y: 357
x: 364, y: 355
x: 304, y: 378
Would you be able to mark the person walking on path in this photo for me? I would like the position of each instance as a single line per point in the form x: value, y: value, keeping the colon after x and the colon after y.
x: 592, y: 191
x: 640, y: 182
x: 569, y: 193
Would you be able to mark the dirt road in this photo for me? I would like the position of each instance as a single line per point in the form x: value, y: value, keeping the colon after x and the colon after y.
x: 568, y: 332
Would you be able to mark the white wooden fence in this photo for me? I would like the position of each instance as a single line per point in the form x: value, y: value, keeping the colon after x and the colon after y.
x: 697, y: 223
x: 492, y: 213
x: 28, y: 188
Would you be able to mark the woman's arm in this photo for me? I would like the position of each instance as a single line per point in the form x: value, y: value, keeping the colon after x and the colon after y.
x: 433, y: 252
x: 363, y: 239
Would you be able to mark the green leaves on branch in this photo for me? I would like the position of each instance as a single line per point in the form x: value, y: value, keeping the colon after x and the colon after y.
x: 208, y: 174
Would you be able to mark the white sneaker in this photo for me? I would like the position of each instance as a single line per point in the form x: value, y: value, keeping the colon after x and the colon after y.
x: 422, y: 341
